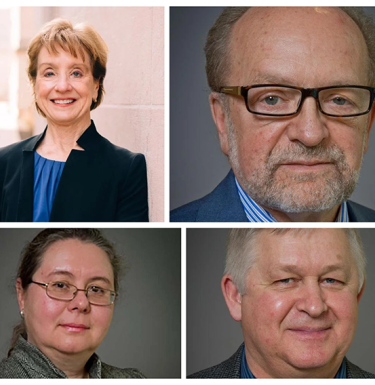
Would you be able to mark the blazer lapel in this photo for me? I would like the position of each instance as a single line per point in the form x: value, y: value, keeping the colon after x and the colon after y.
x: 26, y: 192
x: 79, y: 179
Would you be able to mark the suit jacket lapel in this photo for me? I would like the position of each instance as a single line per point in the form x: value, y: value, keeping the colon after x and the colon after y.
x: 79, y: 177
x: 223, y: 204
x: 26, y: 191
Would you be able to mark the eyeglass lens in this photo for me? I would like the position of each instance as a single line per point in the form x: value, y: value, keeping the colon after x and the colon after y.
x: 95, y: 294
x: 283, y: 100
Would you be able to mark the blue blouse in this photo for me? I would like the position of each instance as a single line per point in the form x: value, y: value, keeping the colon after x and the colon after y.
x: 47, y: 174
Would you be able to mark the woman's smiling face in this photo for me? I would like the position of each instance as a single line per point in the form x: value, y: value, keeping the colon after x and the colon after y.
x: 65, y: 87
x: 68, y: 327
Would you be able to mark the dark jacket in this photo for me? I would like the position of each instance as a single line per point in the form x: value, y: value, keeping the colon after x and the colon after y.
x: 231, y: 368
x: 27, y: 361
x: 104, y: 183
x: 224, y: 205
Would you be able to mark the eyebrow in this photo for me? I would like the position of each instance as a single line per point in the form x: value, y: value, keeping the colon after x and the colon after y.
x: 54, y: 64
x: 280, y: 79
x: 70, y: 275
x: 295, y: 268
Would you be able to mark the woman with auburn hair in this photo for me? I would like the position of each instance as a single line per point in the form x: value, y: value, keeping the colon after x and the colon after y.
x: 70, y: 173
x: 67, y: 283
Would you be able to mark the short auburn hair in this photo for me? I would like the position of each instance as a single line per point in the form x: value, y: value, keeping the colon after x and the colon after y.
x: 73, y: 39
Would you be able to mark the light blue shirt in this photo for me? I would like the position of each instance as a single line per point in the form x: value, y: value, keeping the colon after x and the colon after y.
x: 255, y: 213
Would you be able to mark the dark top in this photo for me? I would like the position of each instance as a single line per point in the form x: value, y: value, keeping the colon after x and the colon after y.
x: 231, y: 368
x: 47, y: 174
x: 223, y: 204
x: 104, y: 183
x: 27, y: 361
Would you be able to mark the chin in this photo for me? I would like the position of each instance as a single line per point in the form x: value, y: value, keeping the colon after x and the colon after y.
x: 310, y: 359
x: 73, y: 346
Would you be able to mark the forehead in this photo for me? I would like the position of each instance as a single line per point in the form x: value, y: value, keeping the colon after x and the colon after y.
x: 55, y: 53
x: 309, y: 250
x: 303, y: 44
x: 83, y: 260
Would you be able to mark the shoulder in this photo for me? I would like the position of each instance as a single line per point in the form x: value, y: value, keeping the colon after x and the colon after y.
x: 12, y: 368
x: 223, y: 204
x: 353, y: 371
x: 230, y: 368
x: 109, y: 371
x: 16, y: 149
x: 359, y: 213
x: 188, y: 212
x: 122, y: 156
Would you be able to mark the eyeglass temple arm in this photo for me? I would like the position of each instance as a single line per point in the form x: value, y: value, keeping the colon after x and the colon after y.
x: 231, y: 90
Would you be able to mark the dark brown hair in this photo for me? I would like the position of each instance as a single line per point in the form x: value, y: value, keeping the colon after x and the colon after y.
x: 32, y: 256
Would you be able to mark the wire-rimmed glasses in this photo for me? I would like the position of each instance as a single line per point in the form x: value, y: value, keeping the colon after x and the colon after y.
x: 64, y: 291
x: 280, y: 100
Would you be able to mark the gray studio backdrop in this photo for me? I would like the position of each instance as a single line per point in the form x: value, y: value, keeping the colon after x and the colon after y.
x: 213, y: 336
x: 197, y: 164
x: 146, y: 328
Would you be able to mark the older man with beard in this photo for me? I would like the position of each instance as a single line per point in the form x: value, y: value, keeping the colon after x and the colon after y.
x: 292, y: 100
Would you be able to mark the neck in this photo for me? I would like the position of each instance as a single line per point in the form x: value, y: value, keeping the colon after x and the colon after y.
x: 73, y: 365
x: 281, y: 369
x: 322, y: 216
x: 60, y: 140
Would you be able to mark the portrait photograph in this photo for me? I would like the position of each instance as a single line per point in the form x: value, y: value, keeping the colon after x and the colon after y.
x: 299, y: 299
x: 82, y: 114
x: 89, y: 303
x: 248, y: 142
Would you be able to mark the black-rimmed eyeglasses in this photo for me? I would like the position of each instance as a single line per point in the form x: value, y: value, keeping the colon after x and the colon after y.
x: 280, y: 100
x: 64, y: 291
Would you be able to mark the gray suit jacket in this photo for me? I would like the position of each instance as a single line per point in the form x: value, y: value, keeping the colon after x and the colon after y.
x: 224, y: 205
x: 27, y: 361
x: 231, y: 368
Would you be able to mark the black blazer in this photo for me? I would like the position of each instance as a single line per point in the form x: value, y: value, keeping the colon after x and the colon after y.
x: 104, y: 183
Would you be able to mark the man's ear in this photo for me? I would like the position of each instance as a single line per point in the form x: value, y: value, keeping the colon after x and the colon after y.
x: 218, y: 115
x: 368, y: 128
x: 232, y: 297
x: 359, y: 295
x: 20, y: 294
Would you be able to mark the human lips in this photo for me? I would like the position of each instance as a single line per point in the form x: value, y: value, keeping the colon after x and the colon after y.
x: 307, y: 332
x: 63, y: 102
x: 73, y: 327
x: 306, y: 164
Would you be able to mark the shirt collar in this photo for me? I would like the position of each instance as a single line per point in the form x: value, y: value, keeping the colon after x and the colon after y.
x: 246, y: 372
x: 26, y: 352
x: 256, y: 213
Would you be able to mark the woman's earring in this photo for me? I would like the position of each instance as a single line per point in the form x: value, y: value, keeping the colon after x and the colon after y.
x: 21, y: 312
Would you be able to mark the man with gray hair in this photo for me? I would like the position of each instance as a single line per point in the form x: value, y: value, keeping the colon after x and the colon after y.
x: 292, y: 93
x: 296, y: 293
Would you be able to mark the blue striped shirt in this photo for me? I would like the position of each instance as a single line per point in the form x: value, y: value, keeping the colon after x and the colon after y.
x: 255, y: 213
x: 246, y: 372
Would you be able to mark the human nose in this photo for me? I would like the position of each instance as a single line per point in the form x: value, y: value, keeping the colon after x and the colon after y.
x: 80, y: 301
x: 63, y: 84
x: 312, y: 300
x: 309, y: 125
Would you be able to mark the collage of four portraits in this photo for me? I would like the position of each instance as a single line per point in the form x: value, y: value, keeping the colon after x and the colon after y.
x: 123, y: 127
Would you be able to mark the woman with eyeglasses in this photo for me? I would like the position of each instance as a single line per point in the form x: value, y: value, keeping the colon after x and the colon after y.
x: 70, y: 173
x: 67, y: 284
